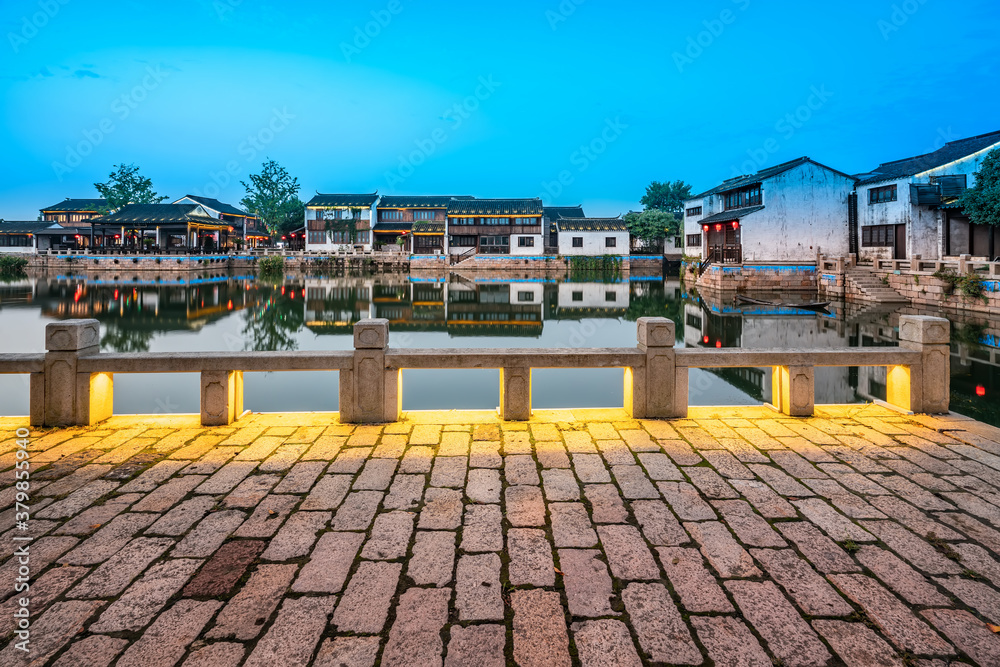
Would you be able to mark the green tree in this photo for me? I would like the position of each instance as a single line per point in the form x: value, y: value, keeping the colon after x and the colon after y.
x: 127, y: 186
x: 666, y: 196
x: 652, y: 225
x: 982, y: 202
x: 273, y: 196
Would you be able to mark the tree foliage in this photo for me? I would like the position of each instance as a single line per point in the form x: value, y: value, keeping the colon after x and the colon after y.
x: 273, y: 196
x: 127, y: 186
x: 982, y: 202
x: 652, y: 225
x: 668, y: 197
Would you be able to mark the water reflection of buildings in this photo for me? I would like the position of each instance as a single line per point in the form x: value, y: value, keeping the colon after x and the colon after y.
x: 716, y: 324
x: 459, y: 306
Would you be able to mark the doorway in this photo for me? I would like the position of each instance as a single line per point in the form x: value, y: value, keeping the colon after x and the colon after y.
x: 899, y: 247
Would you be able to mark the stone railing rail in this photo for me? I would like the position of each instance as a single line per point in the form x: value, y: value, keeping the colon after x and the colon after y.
x: 962, y: 265
x: 73, y: 382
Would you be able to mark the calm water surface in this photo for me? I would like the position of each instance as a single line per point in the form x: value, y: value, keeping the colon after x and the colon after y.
x: 233, y: 312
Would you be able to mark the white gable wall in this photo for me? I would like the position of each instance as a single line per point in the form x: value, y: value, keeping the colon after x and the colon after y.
x: 805, y: 212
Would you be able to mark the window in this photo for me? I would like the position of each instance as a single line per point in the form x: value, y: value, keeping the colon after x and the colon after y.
x: 577, y: 241
x: 461, y: 221
x: 526, y: 242
x: 610, y: 296
x: 527, y: 221
x: 744, y: 197
x: 15, y: 241
x: 610, y: 242
x: 317, y: 237
x: 882, y: 195
x: 390, y: 215
x: 494, y: 244
x: 696, y: 210
x: 874, y: 236
x: 678, y: 242
x: 462, y: 241
x: 694, y: 240
x: 577, y: 296
x: 428, y: 241
x: 423, y: 215
x: 496, y: 221
x: 525, y: 296
x: 362, y: 237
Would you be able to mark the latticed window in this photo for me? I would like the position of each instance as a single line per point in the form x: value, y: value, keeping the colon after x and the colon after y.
x: 750, y: 196
x: 882, y: 195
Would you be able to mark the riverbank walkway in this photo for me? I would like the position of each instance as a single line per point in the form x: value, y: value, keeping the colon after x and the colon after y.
x: 858, y: 536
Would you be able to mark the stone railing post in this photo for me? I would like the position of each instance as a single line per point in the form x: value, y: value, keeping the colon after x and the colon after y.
x: 515, y: 393
x: 370, y: 393
x: 69, y: 397
x: 221, y: 397
x: 793, y: 390
x: 925, y: 386
x: 656, y: 391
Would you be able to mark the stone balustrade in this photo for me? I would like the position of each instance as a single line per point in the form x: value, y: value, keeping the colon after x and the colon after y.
x: 73, y: 382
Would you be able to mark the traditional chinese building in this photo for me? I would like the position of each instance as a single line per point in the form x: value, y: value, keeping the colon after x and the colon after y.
x: 246, y: 226
x: 396, y: 216
x: 495, y: 226
x: 337, y: 220
x: 789, y: 212
x: 162, y: 226
x: 909, y: 207
x: 592, y: 236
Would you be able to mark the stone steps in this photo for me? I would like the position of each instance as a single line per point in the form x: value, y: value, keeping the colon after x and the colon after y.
x: 869, y: 285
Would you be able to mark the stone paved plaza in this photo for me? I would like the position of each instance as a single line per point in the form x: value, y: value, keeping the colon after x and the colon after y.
x: 735, y: 537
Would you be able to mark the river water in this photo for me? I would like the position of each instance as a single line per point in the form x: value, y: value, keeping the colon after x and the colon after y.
x: 226, y: 312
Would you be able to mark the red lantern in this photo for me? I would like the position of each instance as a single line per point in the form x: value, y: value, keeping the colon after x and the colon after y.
x: 980, y: 390
x: 718, y: 227
x: 718, y: 343
x: 736, y: 225
x: 705, y: 228
x: 705, y: 340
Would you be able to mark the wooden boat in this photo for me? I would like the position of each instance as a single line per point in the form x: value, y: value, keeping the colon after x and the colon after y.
x: 749, y: 301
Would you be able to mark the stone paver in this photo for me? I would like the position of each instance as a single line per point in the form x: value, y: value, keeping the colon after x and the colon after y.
x: 858, y: 537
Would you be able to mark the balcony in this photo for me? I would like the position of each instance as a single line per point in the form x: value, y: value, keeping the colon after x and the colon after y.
x: 493, y: 230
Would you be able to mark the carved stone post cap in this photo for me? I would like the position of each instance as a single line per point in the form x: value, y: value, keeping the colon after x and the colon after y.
x: 924, y: 329
x: 72, y: 335
x: 371, y: 334
x: 656, y: 331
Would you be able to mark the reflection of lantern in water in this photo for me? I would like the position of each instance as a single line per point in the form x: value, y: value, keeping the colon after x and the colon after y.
x: 980, y: 390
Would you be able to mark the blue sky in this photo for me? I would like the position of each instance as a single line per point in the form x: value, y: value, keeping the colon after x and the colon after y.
x: 579, y: 101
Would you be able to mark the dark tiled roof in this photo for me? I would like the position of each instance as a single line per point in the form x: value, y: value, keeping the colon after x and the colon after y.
x: 419, y: 201
x: 592, y: 225
x: 158, y: 214
x: 354, y: 201
x: 763, y: 174
x: 76, y: 205
x: 393, y: 226
x: 428, y: 228
x: 499, y: 207
x: 950, y: 152
x: 727, y: 216
x: 215, y: 204
x: 30, y: 227
x: 556, y: 212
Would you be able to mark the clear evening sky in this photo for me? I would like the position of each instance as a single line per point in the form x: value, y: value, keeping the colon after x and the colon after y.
x: 579, y: 101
